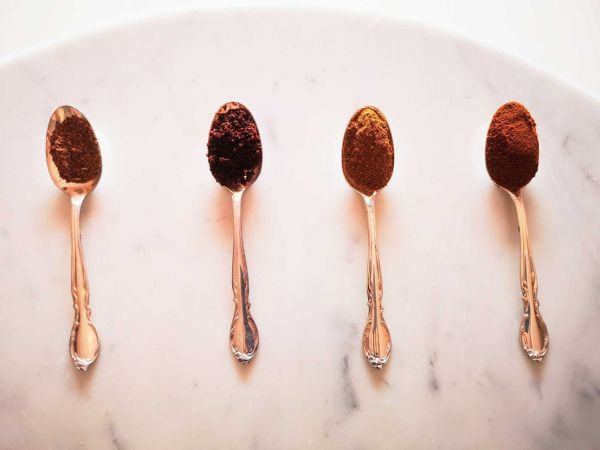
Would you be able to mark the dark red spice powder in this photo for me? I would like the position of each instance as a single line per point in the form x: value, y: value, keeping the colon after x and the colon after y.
x: 234, y: 147
x: 74, y: 150
x: 512, y: 147
x: 368, y: 151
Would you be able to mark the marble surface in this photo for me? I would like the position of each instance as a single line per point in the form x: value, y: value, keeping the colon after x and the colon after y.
x: 157, y: 240
x: 554, y: 37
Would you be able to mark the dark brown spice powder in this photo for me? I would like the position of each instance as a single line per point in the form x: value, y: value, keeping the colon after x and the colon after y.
x: 512, y: 148
x: 234, y: 147
x: 74, y: 150
x: 368, y: 151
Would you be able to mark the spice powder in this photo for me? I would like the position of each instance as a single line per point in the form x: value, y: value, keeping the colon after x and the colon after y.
x: 368, y: 151
x: 74, y: 150
x: 512, y: 147
x: 234, y: 147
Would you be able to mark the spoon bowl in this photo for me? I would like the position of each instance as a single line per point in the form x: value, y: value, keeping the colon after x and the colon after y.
x: 71, y: 188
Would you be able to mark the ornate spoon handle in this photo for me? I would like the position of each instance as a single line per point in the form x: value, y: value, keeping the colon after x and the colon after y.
x: 243, y: 336
x: 377, y: 343
x: 533, y: 332
x: 84, y: 344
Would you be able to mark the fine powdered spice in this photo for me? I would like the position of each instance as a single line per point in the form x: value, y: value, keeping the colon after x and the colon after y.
x: 512, y: 148
x: 234, y: 147
x: 368, y: 151
x: 74, y: 150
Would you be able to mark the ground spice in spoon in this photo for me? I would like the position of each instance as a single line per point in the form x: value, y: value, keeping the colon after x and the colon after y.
x: 512, y: 148
x: 74, y: 150
x: 368, y: 151
x: 234, y: 147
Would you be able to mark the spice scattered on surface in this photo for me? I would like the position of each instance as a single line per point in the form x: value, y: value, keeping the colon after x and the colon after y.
x: 74, y: 150
x: 234, y: 147
x: 512, y: 148
x: 368, y: 151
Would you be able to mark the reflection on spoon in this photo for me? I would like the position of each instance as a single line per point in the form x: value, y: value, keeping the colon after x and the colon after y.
x: 75, y: 166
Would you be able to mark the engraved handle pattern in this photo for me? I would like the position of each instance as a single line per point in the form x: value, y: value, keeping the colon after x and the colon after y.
x: 533, y: 332
x: 83, y: 344
x: 377, y: 343
x: 243, y: 336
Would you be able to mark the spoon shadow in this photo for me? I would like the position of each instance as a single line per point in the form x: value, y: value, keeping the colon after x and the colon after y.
x: 245, y: 370
x: 84, y: 380
x: 504, y: 222
x: 355, y: 209
x: 536, y: 369
x: 531, y: 209
x: 59, y: 209
x: 377, y: 377
x: 224, y: 211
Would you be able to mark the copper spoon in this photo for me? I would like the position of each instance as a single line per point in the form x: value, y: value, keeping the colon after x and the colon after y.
x: 376, y: 341
x: 512, y: 154
x: 533, y: 332
x: 83, y: 344
x: 243, y: 335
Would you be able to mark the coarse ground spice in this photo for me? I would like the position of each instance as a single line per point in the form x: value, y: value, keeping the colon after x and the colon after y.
x: 512, y: 148
x: 234, y: 147
x: 368, y: 151
x: 74, y: 150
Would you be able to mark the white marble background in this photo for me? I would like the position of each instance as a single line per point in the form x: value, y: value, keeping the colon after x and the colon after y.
x: 562, y: 37
x: 157, y: 243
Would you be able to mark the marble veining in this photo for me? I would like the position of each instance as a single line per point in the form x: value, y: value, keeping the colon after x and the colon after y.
x: 157, y: 242
x: 350, y: 400
x: 434, y: 383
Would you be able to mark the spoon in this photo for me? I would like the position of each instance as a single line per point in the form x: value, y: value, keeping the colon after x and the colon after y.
x: 368, y: 162
x: 235, y: 160
x: 75, y: 165
x: 512, y: 157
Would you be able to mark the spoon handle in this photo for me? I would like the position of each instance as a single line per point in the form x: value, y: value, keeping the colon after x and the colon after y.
x: 377, y: 342
x: 243, y: 336
x: 83, y: 344
x: 533, y: 332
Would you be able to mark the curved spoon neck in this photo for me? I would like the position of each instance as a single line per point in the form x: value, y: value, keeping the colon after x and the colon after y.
x: 512, y: 194
x: 77, y: 200
x: 237, y: 195
x: 368, y: 199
